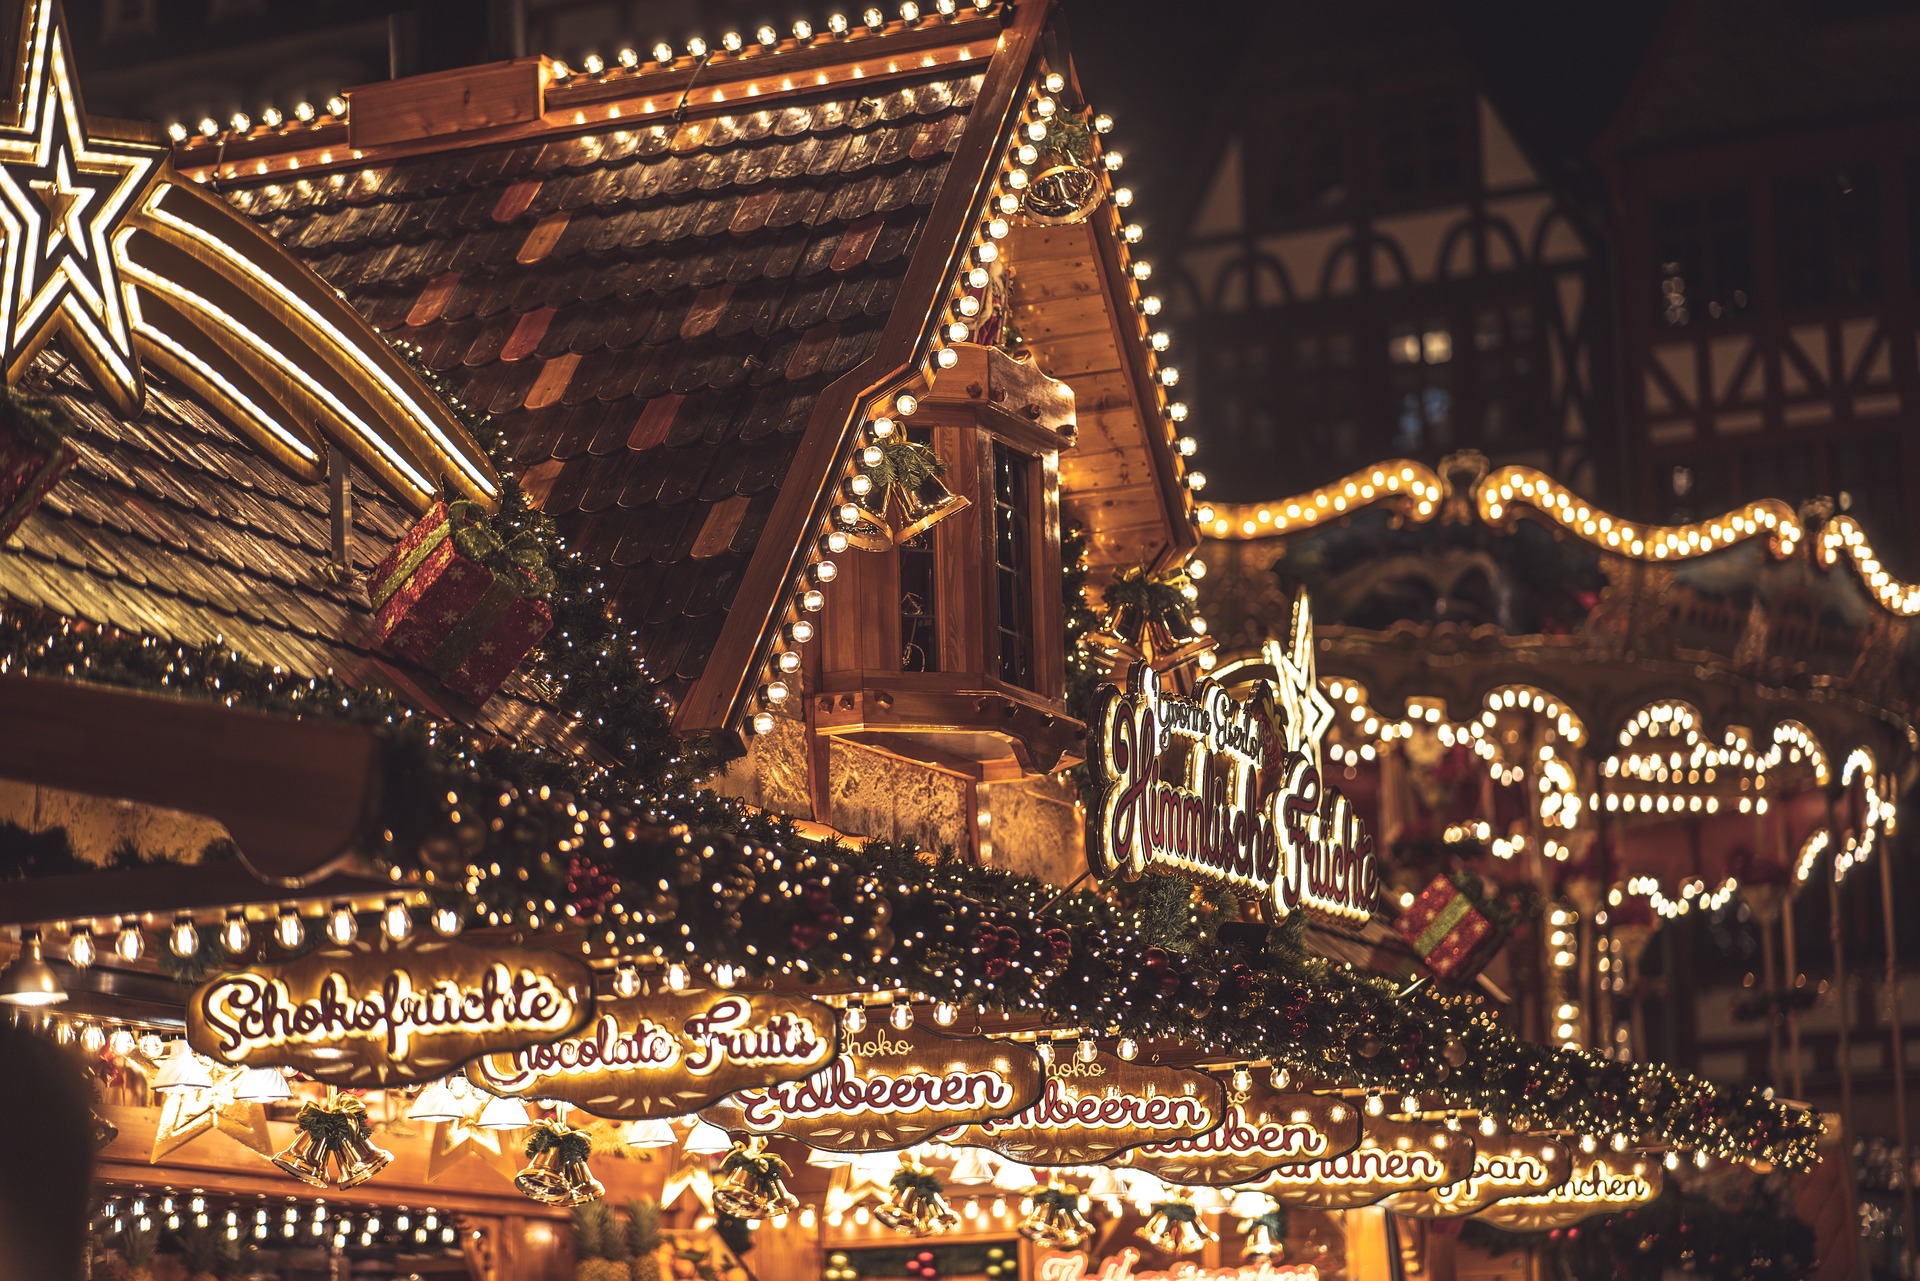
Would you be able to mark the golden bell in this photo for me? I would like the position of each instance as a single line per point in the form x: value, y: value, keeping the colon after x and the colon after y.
x: 925, y: 506
x: 749, y: 1195
x: 542, y: 1179
x: 305, y: 1159
x: 869, y: 532
x: 1055, y: 1220
x: 578, y: 1186
x: 360, y: 1160
x: 1260, y: 1243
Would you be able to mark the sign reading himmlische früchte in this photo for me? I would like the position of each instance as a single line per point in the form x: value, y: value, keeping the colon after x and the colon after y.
x: 666, y: 1053
x: 890, y: 1089
x: 1230, y: 791
x: 378, y: 1014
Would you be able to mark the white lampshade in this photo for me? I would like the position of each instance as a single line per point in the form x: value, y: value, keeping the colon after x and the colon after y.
x: 1106, y: 1185
x: 1206, y: 1200
x: 503, y: 1114
x: 1143, y: 1189
x: 437, y: 1102
x: 1250, y: 1205
x: 262, y: 1085
x: 707, y: 1139
x: 181, y: 1070
x: 1014, y: 1177
x: 974, y: 1165
x: 655, y: 1133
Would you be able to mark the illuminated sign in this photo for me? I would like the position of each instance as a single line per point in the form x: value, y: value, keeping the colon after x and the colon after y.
x: 1393, y: 1156
x: 1263, y: 1129
x: 103, y: 243
x: 890, y: 1089
x: 1598, y: 1186
x: 378, y: 1014
x: 667, y: 1053
x: 1093, y: 1111
x: 1231, y: 792
x: 1503, y: 1166
x: 1120, y: 1267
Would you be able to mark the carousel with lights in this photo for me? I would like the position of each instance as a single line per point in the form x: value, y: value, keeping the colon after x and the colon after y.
x: 544, y: 735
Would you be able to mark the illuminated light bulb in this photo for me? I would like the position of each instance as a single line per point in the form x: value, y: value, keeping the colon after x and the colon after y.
x: 901, y: 1016
x: 1009, y: 204
x: 177, y: 131
x: 1150, y: 305
x: 767, y: 36
x: 342, y: 929
x: 1488, y: 1126
x: 1113, y: 159
x: 304, y: 112
x: 1376, y: 1106
x: 396, y: 922
x: 234, y: 933
x: 241, y: 122
x: 629, y: 58
x: 1037, y: 130
x: 120, y: 1043
x: 800, y: 631
x: 677, y: 977
x: 1045, y: 1050
x: 987, y: 252
x: 1671, y: 1160
x: 626, y: 980
x: 860, y: 486
x: 1017, y: 179
x: 1027, y: 153
x: 1278, y: 1078
x: 1177, y: 411
x: 1128, y: 1048
x: 663, y: 53
x: 732, y: 42
x: 209, y: 127
x: 763, y: 722
x: 592, y: 64
x: 1196, y: 480
x: 854, y: 1017
x: 946, y: 358
x: 874, y: 19
x: 1141, y: 270
x: 883, y: 427
x: 788, y: 660
x: 1086, y: 1051
x: 872, y: 456
x: 1132, y: 232
x: 1242, y: 1080
x: 336, y: 106
x: 909, y: 11
x: 998, y: 228
x: 446, y: 920
x: 697, y: 47
x: 725, y: 975
x: 812, y: 600
x: 80, y: 948
x: 288, y: 930
x: 977, y: 277
x: 1169, y: 375
x: 825, y: 571
x: 944, y: 1014
x: 803, y: 30
x: 183, y: 940
x: 93, y: 1038
x: 775, y: 692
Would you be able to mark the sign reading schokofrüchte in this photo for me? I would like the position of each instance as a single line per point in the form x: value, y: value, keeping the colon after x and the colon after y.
x: 666, y: 1053
x: 890, y: 1089
x: 377, y: 1014
x: 1229, y: 791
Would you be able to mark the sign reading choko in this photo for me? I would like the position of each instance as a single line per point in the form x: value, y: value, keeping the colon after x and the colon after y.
x: 1248, y: 807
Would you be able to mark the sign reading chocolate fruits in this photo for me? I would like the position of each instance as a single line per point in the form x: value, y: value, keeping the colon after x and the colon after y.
x: 890, y: 1089
x: 1393, y: 1156
x: 1504, y: 1165
x: 1231, y: 792
x: 1093, y: 1110
x: 664, y: 1053
x: 378, y: 1014
x: 1263, y: 1129
x: 1598, y: 1186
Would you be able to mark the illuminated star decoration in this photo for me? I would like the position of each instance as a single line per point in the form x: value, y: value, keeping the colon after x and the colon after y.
x: 1308, y: 713
x: 63, y: 193
x: 185, y: 1115
x: 454, y: 1140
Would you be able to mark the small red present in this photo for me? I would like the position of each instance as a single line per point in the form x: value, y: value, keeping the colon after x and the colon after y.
x: 1444, y: 926
x: 453, y: 598
x: 34, y: 454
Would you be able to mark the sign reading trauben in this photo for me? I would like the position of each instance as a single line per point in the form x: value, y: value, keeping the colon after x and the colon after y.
x: 379, y: 1014
x: 1263, y: 1129
x: 890, y: 1089
x: 1248, y: 807
x: 665, y: 1053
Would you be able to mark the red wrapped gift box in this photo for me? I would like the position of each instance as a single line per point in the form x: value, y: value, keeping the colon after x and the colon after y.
x: 1444, y: 927
x: 467, y: 623
x: 29, y: 469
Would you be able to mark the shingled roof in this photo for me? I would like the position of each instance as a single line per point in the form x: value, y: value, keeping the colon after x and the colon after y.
x: 651, y: 312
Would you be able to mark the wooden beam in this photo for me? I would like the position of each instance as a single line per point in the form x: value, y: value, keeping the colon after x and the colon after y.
x: 295, y: 795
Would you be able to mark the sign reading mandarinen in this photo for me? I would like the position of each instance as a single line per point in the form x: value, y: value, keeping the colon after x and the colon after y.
x: 378, y: 1014
x: 1248, y: 808
x: 667, y: 1053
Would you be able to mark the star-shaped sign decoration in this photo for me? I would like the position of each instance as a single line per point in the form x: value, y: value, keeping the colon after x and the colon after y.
x: 1307, y: 712
x: 185, y: 1115
x: 454, y: 1141
x: 63, y: 193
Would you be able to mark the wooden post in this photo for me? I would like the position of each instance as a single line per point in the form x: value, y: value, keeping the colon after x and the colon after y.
x: 1834, y: 937
x: 1789, y: 947
x: 1894, y: 1020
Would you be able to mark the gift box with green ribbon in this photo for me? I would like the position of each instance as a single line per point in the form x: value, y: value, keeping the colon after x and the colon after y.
x: 455, y: 598
x: 34, y: 454
x: 1445, y: 926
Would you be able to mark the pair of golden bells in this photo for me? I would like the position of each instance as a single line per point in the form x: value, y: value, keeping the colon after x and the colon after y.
x: 1175, y: 1227
x: 753, y: 1183
x: 333, y: 1136
x: 1055, y: 1219
x: 916, y: 1202
x: 909, y: 498
x: 556, y: 1172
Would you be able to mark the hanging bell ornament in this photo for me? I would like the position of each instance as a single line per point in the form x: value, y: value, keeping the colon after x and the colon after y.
x: 753, y: 1182
x: 1056, y: 1220
x: 1174, y: 1227
x: 915, y: 1204
x: 926, y: 505
x: 305, y: 1158
x: 1264, y: 1236
x: 912, y: 494
x: 355, y: 1158
x: 556, y: 1171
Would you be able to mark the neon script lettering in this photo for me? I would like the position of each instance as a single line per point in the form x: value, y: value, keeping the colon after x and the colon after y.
x: 838, y: 1092
x: 1062, y: 1109
x: 248, y: 1012
x: 1236, y: 1136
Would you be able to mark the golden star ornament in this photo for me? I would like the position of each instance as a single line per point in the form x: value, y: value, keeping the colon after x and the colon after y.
x: 185, y: 1115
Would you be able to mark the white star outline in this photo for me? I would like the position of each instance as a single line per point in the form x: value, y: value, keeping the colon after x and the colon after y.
x: 1308, y: 713
x: 94, y: 304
